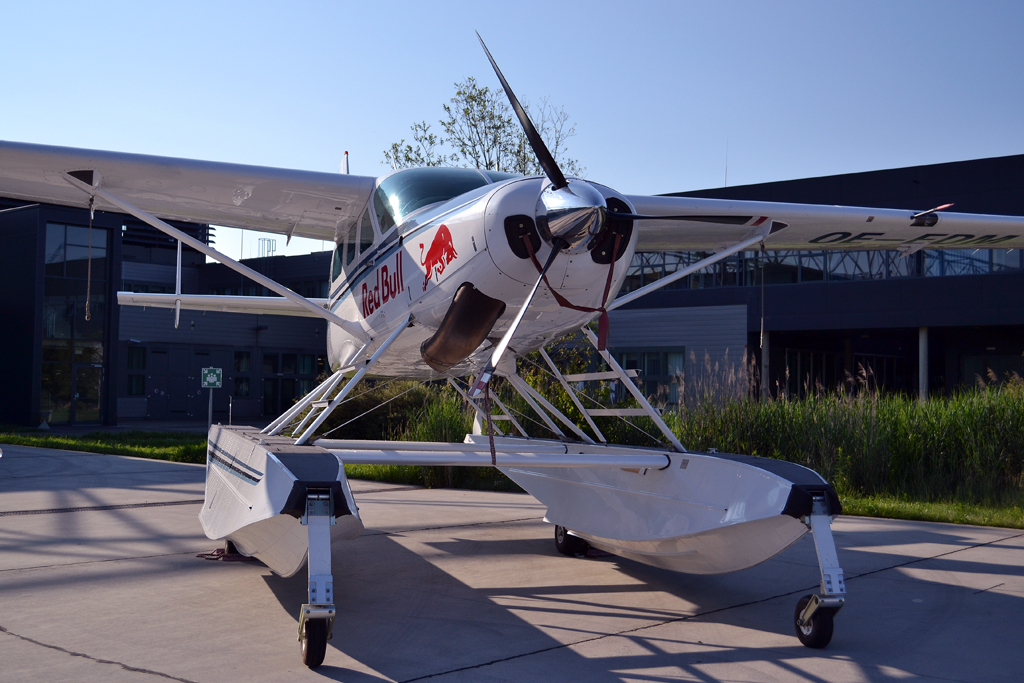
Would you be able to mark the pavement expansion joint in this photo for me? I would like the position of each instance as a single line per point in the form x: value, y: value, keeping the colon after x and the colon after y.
x: 99, y: 561
x: 87, y: 508
x: 917, y: 560
x: 399, y: 532
x: 72, y: 653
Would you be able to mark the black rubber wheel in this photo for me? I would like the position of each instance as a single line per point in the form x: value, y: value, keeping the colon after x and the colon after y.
x: 567, y: 544
x: 314, y: 642
x: 818, y: 633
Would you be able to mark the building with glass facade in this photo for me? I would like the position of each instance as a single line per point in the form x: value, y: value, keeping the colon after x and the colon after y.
x: 70, y: 355
x: 825, y: 316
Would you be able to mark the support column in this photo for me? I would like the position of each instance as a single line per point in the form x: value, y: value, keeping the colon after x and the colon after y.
x: 922, y: 363
x: 765, y: 385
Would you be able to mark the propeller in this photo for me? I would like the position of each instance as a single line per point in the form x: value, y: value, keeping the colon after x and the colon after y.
x: 571, y: 214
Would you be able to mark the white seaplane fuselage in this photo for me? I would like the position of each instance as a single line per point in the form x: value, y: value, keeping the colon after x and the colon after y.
x: 437, y: 250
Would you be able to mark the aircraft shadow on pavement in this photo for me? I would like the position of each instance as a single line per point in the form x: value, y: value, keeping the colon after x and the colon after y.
x: 404, y: 617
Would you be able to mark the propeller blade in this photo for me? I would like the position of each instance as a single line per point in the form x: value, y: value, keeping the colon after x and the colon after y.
x: 485, y: 377
x: 547, y: 162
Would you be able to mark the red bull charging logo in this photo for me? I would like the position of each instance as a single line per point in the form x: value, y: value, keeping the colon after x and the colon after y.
x: 441, y: 253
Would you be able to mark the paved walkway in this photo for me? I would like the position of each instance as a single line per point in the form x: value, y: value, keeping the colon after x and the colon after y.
x: 99, y: 582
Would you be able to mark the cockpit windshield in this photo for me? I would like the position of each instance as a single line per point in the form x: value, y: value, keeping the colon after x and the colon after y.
x: 401, y: 194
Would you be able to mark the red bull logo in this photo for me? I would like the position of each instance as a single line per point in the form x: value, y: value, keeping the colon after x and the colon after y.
x: 441, y: 253
x: 385, y: 285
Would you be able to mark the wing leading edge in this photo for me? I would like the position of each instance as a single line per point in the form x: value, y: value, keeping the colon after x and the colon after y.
x: 288, y: 202
x: 718, y: 223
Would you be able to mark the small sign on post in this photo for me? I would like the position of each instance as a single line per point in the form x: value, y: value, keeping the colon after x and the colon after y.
x: 213, y: 378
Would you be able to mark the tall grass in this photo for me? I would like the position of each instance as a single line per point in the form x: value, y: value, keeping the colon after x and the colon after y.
x: 968, y: 447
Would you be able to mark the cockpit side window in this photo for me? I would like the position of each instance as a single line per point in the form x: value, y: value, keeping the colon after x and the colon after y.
x: 403, y: 193
x: 385, y: 217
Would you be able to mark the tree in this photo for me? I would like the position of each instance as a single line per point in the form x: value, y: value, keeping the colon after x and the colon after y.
x: 482, y: 132
x: 402, y: 155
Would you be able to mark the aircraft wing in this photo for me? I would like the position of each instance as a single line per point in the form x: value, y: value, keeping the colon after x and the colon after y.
x: 714, y: 224
x: 261, y: 305
x: 288, y: 202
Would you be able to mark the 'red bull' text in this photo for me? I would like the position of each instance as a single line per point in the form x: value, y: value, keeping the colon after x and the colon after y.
x: 386, y: 285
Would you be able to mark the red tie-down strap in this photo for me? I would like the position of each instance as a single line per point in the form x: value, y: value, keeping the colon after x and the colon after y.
x: 602, y: 322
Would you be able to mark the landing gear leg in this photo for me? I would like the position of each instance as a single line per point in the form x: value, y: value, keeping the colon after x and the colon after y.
x: 316, y: 618
x: 570, y: 545
x: 814, y: 613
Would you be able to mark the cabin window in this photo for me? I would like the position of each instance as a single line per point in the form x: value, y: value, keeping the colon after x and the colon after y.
x: 365, y: 233
x: 336, y: 262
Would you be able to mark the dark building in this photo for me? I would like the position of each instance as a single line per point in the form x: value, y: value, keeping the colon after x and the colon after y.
x: 825, y: 314
x: 70, y: 355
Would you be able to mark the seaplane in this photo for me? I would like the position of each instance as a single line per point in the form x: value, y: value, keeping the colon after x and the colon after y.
x: 451, y: 274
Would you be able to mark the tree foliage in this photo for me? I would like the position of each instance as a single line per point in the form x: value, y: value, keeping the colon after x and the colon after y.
x: 482, y: 132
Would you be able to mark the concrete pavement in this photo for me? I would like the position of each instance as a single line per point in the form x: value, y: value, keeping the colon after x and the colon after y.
x: 99, y: 581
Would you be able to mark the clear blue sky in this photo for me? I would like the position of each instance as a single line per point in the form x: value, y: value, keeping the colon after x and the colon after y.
x: 657, y: 89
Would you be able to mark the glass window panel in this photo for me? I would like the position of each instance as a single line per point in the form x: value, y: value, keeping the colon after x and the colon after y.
x: 287, y: 392
x: 57, y: 350
x: 365, y: 233
x: 781, y: 267
x: 79, y: 235
x: 78, y: 263
x: 243, y: 361
x: 675, y: 261
x: 136, y: 385
x: 55, y: 397
x: 307, y: 363
x: 336, y: 263
x: 95, y: 327
x: 676, y: 363
x: 54, y: 243
x: 54, y: 250
x: 270, y: 363
x: 88, y: 352
x: 289, y: 361
x: 58, y: 314
x: 965, y: 261
x: 136, y: 358
x: 728, y: 271
x: 271, y: 396
x: 87, y: 394
x: 241, y: 387
x: 652, y: 363
x: 304, y: 386
x: 899, y: 265
x: 933, y: 264
x: 812, y: 266
x: 1006, y: 259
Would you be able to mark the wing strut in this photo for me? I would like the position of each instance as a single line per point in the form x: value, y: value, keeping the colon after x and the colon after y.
x: 714, y: 258
x: 350, y: 385
x: 92, y: 188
